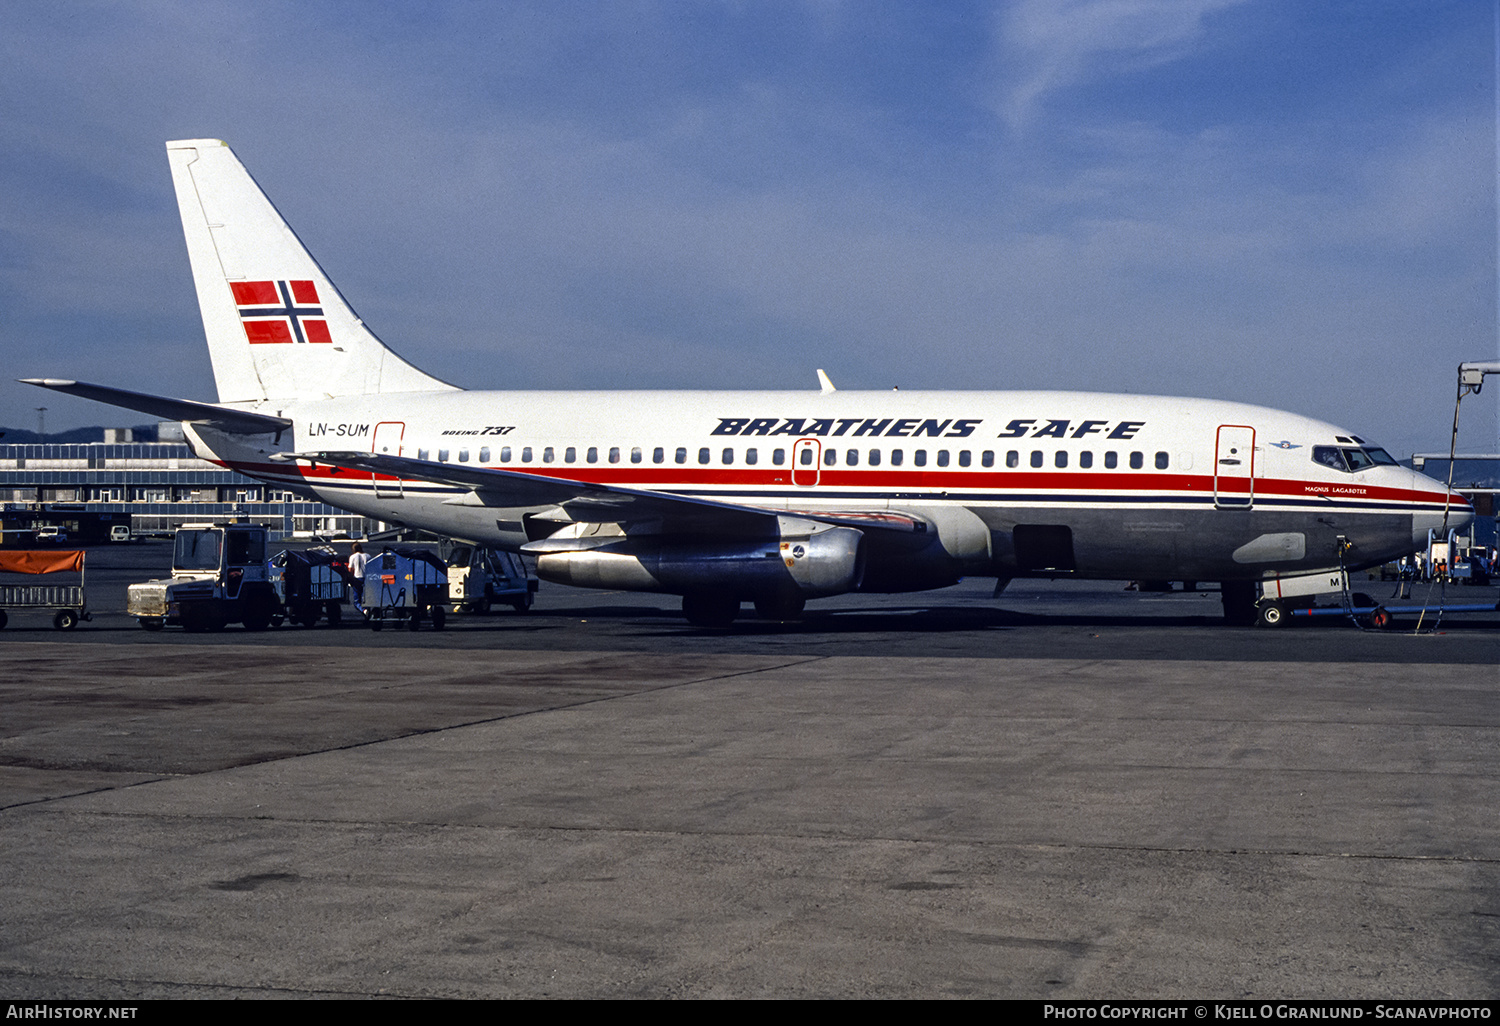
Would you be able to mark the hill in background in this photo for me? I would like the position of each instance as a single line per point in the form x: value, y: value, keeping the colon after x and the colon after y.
x: 78, y: 436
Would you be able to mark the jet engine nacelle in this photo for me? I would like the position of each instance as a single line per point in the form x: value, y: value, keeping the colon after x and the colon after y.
x: 804, y: 557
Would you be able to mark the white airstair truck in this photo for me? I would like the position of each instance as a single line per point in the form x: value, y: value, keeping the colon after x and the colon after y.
x: 1299, y: 596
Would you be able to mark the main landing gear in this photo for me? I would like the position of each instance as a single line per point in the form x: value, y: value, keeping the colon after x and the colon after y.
x: 1239, y: 602
x: 710, y: 609
x: 717, y: 609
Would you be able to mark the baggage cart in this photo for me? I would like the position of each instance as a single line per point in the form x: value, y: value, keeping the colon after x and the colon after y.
x: 404, y: 584
x: 68, y: 599
x: 311, y: 584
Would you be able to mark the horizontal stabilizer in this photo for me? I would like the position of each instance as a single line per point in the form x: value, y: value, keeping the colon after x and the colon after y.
x: 236, y: 422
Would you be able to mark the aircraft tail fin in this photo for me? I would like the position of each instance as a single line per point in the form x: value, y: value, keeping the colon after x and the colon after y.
x: 276, y: 326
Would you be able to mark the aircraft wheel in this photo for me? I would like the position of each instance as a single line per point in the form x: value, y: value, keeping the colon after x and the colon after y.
x: 1271, y: 614
x: 1239, y: 602
x: 780, y: 607
x: 714, y: 609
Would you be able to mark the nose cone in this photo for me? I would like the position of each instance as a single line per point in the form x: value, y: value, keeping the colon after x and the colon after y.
x: 1429, y: 501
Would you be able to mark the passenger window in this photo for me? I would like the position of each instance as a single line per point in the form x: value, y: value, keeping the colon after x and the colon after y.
x: 505, y: 454
x: 1036, y: 457
x: 807, y: 456
x: 851, y: 458
x: 1111, y: 460
x: 682, y: 455
x: 919, y: 457
x: 593, y: 456
x: 570, y: 454
x: 942, y: 457
x: 1161, y: 461
x: 778, y: 456
x: 526, y: 454
x: 614, y: 454
x: 751, y: 456
x: 635, y: 454
x: 484, y: 455
x: 1013, y: 459
x: 1086, y: 459
x: 442, y: 455
x: 463, y: 455
x: 659, y: 455
x: 897, y: 455
x: 704, y: 455
x: 547, y: 455
x: 421, y: 454
x: 988, y: 459
x: 1137, y: 461
x: 874, y: 457
x: 830, y: 457
x: 728, y: 457
x: 963, y: 457
x: 1060, y: 461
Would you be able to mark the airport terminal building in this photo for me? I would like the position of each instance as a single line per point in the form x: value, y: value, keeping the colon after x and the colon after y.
x: 151, y: 486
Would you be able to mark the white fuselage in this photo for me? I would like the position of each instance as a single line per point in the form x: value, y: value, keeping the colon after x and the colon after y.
x: 1015, y: 483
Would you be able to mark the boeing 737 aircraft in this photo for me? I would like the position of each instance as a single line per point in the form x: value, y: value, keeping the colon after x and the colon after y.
x: 764, y: 497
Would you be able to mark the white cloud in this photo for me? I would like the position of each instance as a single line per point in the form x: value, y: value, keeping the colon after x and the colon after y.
x: 1048, y: 45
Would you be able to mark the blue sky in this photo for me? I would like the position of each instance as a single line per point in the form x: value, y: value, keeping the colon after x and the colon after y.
x: 1272, y: 201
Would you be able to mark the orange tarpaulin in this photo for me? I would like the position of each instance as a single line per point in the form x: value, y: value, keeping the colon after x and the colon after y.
x: 38, y: 561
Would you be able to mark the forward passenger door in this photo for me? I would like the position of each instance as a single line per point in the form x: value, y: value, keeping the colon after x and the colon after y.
x: 1234, y: 467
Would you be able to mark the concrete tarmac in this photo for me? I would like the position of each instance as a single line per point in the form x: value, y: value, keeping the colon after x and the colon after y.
x: 523, y: 807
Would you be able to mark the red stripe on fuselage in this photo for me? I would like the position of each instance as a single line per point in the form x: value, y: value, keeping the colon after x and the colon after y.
x: 909, y: 480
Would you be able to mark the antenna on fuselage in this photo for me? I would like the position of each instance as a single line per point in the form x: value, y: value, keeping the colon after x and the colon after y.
x: 823, y: 383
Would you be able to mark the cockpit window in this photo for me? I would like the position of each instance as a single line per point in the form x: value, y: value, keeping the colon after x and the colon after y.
x: 1351, y: 460
x: 1329, y: 456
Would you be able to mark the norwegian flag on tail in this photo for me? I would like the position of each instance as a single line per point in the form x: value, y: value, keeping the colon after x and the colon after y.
x: 280, y: 311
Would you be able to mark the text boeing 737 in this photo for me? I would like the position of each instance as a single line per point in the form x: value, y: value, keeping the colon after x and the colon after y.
x: 767, y: 497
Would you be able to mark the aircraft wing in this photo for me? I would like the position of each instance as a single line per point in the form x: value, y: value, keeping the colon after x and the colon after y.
x: 236, y: 422
x: 588, y: 502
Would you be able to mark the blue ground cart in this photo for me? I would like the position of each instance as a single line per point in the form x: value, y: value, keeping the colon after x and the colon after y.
x: 405, y: 585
